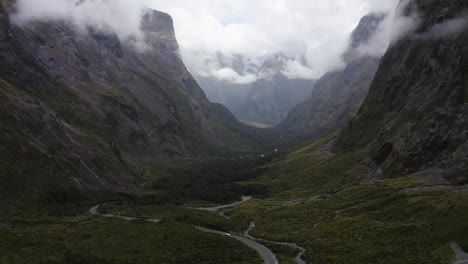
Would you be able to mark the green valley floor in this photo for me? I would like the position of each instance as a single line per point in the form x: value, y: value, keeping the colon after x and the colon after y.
x: 326, y: 204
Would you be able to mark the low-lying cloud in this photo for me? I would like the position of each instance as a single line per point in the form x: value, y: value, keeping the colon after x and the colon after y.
x: 316, y: 32
x: 406, y: 20
x: 447, y: 29
x: 228, y: 74
x: 120, y: 16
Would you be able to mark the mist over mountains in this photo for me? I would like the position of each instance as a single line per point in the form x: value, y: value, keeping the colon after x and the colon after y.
x: 268, y: 99
x: 242, y: 28
x: 338, y: 94
x: 299, y: 131
x: 105, y: 109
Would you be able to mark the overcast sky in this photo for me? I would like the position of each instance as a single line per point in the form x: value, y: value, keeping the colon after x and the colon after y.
x: 317, y: 30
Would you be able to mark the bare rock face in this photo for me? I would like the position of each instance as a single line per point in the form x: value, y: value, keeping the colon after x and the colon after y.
x: 89, y: 110
x: 138, y: 86
x: 338, y: 94
x: 415, y: 115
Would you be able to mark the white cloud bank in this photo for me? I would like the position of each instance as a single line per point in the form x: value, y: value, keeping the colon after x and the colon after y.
x: 121, y: 16
x: 447, y: 28
x: 228, y: 74
x: 316, y: 31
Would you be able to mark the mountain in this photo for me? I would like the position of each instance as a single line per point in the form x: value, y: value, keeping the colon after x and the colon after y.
x: 415, y: 115
x: 270, y: 100
x: 395, y: 176
x: 273, y: 95
x: 339, y: 93
x: 232, y: 95
x: 388, y: 187
x: 86, y: 109
x: 225, y: 91
x: 267, y: 100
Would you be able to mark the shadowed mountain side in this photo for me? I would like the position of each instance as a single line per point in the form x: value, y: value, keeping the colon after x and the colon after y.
x: 88, y: 110
x: 338, y: 93
x: 335, y: 96
x: 415, y: 115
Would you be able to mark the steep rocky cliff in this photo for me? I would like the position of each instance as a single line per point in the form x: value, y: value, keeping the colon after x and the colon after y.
x: 84, y: 108
x: 339, y: 93
x: 415, y: 116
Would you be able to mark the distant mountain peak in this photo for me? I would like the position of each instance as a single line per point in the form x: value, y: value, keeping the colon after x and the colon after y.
x: 272, y: 66
x: 156, y: 21
x: 276, y: 66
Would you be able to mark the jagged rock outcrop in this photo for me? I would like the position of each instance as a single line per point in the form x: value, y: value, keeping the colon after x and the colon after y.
x: 339, y: 93
x: 89, y: 110
x: 415, y: 116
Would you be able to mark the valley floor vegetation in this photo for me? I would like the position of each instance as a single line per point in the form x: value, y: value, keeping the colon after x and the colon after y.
x: 309, y: 196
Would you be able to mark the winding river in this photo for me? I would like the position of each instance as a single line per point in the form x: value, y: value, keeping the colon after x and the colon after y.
x: 270, y: 257
x: 461, y: 257
x: 298, y: 259
x: 267, y: 255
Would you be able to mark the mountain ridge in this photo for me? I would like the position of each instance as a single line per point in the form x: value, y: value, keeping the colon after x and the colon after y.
x: 339, y: 93
x: 88, y: 110
x: 268, y: 99
x: 414, y: 117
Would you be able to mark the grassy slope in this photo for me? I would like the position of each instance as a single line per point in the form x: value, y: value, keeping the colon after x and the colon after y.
x: 309, y: 169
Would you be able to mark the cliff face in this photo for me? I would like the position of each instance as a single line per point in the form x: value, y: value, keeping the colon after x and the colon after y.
x: 415, y: 115
x: 144, y: 93
x: 89, y: 110
x: 339, y: 93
